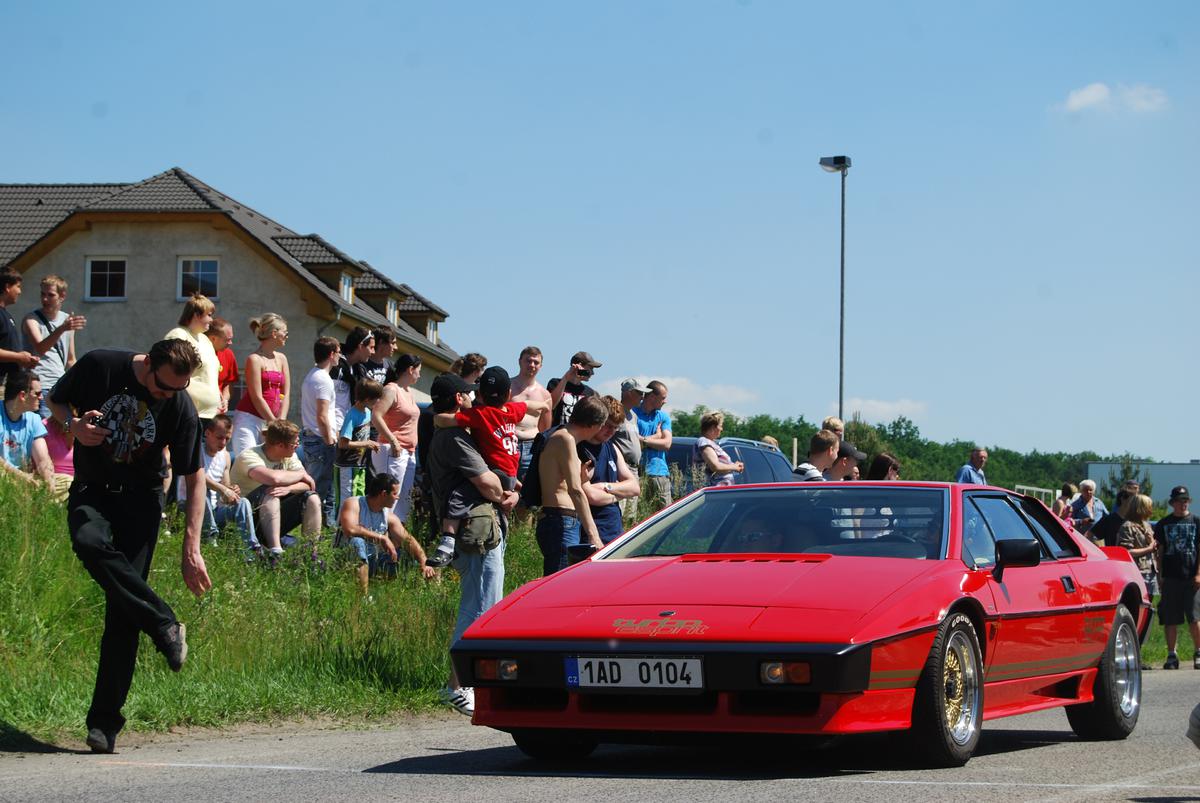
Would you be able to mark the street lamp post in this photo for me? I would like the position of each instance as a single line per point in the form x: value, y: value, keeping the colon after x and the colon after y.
x: 840, y: 164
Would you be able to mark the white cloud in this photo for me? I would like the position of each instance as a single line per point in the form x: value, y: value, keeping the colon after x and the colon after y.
x: 1142, y: 98
x: 879, y: 411
x: 685, y: 394
x: 1136, y: 99
x: 1090, y: 96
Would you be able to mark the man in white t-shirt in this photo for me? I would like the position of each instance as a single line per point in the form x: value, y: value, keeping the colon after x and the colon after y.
x: 224, y: 501
x: 318, y: 438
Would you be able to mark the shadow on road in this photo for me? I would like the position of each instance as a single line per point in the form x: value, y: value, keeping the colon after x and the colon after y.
x: 14, y: 740
x: 730, y: 759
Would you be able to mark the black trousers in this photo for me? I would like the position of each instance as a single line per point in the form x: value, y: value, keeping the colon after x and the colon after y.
x: 114, y: 534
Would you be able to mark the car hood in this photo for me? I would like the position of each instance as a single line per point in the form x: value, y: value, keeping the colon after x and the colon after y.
x: 709, y: 597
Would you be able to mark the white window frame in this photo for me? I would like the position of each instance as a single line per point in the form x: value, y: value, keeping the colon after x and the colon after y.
x: 346, y: 287
x: 87, y: 279
x: 393, y: 311
x: 179, y: 296
x: 431, y: 330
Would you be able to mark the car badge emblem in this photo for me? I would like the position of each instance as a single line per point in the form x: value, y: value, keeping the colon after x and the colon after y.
x: 662, y: 626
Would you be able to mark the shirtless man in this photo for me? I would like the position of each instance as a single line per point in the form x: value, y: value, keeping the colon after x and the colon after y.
x: 565, y: 511
x: 526, y: 388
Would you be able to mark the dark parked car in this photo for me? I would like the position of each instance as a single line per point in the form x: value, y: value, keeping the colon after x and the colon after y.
x: 764, y: 462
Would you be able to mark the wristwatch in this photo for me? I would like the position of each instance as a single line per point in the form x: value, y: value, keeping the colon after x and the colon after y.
x: 66, y: 426
x: 608, y: 488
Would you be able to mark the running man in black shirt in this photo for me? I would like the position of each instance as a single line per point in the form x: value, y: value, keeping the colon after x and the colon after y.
x: 123, y: 409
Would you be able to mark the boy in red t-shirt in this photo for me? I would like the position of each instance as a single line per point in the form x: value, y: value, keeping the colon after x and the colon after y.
x: 493, y: 423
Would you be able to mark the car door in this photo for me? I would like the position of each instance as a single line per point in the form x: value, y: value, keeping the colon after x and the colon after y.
x: 1040, y: 612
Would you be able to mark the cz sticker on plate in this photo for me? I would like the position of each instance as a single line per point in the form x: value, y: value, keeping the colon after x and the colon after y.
x: 648, y: 672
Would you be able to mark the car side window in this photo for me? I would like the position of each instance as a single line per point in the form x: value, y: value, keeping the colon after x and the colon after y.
x: 1006, y: 523
x: 979, y: 548
x: 780, y: 467
x: 1051, y: 533
x: 757, y: 469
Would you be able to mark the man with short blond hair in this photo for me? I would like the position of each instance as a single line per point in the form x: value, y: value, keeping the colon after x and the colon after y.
x: 281, y: 492
x: 50, y: 335
x: 822, y: 454
x: 526, y: 388
x: 654, y: 431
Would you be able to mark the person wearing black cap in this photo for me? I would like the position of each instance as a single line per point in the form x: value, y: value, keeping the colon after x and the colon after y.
x: 456, y: 470
x: 1176, y: 535
x: 567, y: 390
x: 848, y: 458
x: 493, y: 424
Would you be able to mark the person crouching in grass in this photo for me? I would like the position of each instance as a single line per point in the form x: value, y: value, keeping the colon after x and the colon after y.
x: 375, y: 534
x: 281, y: 492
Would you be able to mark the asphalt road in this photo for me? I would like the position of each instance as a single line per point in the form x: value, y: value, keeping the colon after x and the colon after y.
x: 442, y: 757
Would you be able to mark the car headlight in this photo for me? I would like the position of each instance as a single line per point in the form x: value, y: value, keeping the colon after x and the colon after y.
x: 782, y: 673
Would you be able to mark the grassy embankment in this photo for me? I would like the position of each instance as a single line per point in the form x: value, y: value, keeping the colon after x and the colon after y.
x: 294, y: 642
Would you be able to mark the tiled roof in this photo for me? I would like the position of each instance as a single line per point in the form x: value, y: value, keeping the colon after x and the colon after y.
x: 419, y: 303
x: 28, y: 211
x: 309, y: 250
x: 166, y: 192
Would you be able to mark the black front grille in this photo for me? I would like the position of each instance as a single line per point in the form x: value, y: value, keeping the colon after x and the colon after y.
x: 775, y: 702
x: 704, y: 703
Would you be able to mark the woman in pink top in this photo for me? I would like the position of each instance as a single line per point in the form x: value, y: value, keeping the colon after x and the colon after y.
x: 395, y: 419
x: 268, y: 384
x: 61, y: 446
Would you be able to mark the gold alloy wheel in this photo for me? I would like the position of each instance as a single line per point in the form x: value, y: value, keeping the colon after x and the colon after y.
x: 960, y: 681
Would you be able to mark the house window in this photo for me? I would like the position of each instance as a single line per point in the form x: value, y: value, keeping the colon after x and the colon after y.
x: 393, y: 311
x: 197, y: 274
x: 431, y: 331
x: 104, y: 279
x: 347, y: 288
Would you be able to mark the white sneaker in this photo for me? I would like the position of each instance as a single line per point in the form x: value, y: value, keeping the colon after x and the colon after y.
x: 1193, y: 731
x: 462, y: 698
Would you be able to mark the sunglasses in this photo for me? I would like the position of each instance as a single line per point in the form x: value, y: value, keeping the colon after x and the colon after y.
x: 165, y: 388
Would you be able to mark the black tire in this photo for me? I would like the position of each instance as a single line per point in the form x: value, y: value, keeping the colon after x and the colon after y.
x: 948, y: 707
x: 554, y: 745
x: 1117, y: 691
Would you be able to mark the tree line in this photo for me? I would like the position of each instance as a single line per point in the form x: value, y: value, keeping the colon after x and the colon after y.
x: 921, y: 458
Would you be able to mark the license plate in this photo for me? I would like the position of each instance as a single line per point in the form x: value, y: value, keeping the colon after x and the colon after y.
x: 604, y: 672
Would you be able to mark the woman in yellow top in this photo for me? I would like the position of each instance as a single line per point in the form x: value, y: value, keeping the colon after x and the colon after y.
x: 193, y: 323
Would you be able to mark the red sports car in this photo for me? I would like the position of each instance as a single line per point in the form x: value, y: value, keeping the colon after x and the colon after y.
x: 818, y: 608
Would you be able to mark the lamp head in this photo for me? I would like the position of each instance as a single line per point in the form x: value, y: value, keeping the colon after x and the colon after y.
x: 835, y: 164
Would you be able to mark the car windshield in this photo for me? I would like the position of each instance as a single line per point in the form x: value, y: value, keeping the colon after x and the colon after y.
x: 861, y: 520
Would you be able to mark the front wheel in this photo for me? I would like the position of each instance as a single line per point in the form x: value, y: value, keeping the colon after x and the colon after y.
x: 948, y: 707
x: 1117, y: 691
x: 554, y: 745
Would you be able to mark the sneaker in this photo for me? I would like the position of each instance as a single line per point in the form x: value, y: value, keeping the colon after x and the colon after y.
x: 1196, y: 660
x: 439, y: 559
x: 1172, y: 662
x: 172, y: 643
x: 102, y: 741
x: 462, y: 698
x: 1193, y: 731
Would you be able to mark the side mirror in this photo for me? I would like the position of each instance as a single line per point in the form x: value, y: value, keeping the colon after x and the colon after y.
x: 1026, y: 552
x: 578, y: 553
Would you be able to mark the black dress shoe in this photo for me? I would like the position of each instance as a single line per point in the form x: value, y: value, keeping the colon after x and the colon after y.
x: 102, y: 741
x: 172, y: 643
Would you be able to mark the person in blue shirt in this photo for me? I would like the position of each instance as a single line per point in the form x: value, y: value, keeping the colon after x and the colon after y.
x: 972, y: 472
x: 654, y: 433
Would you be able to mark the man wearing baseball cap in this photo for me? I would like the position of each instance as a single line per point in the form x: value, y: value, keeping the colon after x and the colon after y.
x: 847, y: 458
x: 567, y: 390
x: 626, y: 439
x: 1177, y: 556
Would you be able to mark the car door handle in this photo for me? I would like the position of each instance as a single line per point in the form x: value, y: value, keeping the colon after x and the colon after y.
x: 1068, y: 585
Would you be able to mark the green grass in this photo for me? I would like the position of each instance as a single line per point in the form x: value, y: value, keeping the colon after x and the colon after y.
x: 294, y: 642
x: 297, y: 641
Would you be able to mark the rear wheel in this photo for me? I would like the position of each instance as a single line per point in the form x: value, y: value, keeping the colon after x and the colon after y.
x: 554, y: 745
x: 1117, y: 691
x: 948, y: 707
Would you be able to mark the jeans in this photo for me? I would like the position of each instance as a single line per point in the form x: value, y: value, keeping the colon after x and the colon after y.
x: 217, y: 516
x: 482, y: 580
x: 526, y: 452
x: 370, y: 553
x: 402, y: 465
x: 114, y: 535
x: 318, y: 462
x: 556, y: 532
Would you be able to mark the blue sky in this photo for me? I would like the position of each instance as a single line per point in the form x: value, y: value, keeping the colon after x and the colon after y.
x: 640, y: 180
